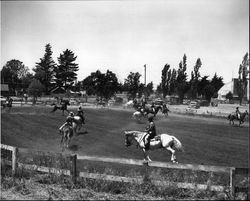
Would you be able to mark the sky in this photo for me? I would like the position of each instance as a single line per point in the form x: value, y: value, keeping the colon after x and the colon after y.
x: 123, y: 36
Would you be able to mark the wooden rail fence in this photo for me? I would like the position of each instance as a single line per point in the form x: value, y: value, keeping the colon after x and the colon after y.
x: 232, y: 171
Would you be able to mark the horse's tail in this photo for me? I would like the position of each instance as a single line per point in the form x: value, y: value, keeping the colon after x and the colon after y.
x: 177, y: 145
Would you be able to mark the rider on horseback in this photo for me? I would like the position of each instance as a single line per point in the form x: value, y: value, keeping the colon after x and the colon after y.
x: 80, y: 113
x: 151, y: 130
x: 237, y: 113
x: 143, y: 101
x: 8, y: 102
x: 153, y: 106
x: 69, y: 121
x: 140, y: 109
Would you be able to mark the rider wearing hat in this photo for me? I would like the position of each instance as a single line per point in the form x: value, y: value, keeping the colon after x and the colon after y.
x: 69, y: 121
x: 80, y: 113
x: 153, y: 106
x: 237, y: 112
x: 151, y: 130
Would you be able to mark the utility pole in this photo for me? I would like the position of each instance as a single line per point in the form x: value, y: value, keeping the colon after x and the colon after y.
x: 145, y: 75
x: 145, y: 81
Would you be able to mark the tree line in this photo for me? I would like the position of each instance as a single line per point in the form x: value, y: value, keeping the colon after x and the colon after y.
x: 48, y: 74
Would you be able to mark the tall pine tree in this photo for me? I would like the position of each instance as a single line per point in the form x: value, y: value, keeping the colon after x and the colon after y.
x: 195, y: 75
x: 181, y: 79
x: 65, y: 72
x: 44, y: 69
x: 164, y: 80
x: 172, y: 82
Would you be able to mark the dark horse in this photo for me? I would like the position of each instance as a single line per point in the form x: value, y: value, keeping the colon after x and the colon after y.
x: 62, y: 107
x: 151, y: 110
x: 232, y: 117
x: 136, y: 104
x: 165, y: 110
x: 101, y: 103
x: 8, y: 103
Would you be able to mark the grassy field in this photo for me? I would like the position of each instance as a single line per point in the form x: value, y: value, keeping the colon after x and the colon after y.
x: 208, y: 141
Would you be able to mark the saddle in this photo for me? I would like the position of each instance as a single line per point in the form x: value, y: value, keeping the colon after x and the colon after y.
x: 145, y: 140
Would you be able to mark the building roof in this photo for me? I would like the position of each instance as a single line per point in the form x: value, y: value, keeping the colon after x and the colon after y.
x: 226, y: 88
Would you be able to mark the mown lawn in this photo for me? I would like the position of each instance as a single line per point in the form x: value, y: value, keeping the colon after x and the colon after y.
x: 207, y: 141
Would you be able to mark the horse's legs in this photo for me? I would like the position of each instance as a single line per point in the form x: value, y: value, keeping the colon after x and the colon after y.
x: 63, y: 142
x: 68, y: 141
x: 62, y: 139
x: 80, y: 126
x: 173, y: 156
x: 74, y: 130
x: 146, y: 156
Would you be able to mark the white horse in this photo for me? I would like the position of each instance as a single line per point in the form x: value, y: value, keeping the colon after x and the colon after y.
x: 67, y: 134
x: 137, y: 115
x: 165, y: 141
x: 129, y: 104
x: 69, y: 131
x: 77, y: 123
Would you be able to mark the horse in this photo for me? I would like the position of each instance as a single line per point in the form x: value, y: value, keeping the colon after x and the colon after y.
x: 62, y: 107
x: 152, y: 111
x: 129, y: 104
x: 101, y: 103
x: 165, y: 110
x: 136, y: 104
x: 77, y: 123
x: 164, y: 141
x: 67, y: 134
x: 8, y: 104
x: 232, y: 117
x: 137, y: 115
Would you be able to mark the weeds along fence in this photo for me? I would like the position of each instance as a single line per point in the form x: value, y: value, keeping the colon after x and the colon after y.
x: 69, y: 164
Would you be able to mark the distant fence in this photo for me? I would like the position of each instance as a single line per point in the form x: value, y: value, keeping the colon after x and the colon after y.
x: 232, y: 171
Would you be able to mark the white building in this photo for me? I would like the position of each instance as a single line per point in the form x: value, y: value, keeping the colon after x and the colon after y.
x: 232, y: 86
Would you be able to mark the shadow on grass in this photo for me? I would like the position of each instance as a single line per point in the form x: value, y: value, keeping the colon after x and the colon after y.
x: 73, y: 147
x: 82, y: 133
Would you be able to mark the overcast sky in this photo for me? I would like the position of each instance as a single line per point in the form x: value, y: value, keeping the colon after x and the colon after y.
x: 122, y: 36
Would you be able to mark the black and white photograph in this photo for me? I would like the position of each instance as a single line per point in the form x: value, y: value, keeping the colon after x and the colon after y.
x: 125, y: 100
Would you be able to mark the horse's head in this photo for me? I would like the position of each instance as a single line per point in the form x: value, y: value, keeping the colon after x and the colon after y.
x: 128, y: 138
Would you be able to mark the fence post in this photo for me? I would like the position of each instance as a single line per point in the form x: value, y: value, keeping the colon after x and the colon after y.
x: 73, y: 168
x: 14, y: 160
x: 232, y: 180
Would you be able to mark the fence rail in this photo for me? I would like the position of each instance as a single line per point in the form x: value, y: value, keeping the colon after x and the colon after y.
x: 205, y: 168
x: 232, y: 171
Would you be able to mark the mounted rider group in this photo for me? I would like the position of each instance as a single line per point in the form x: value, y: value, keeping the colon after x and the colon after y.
x: 141, y: 106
